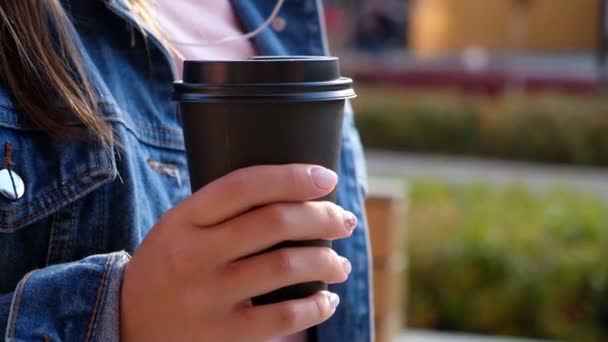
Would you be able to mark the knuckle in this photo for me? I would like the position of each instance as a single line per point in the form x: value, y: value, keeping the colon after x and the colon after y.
x: 332, y: 264
x: 248, y: 317
x: 190, y: 301
x: 278, y: 215
x: 285, y: 262
x: 293, y: 177
x: 167, y: 220
x: 321, y: 309
x: 239, y: 181
x: 232, y: 270
x: 177, y: 259
x: 332, y: 214
x: 328, y: 256
x: 288, y: 317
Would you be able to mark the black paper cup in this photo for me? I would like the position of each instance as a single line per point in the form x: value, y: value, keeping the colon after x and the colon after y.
x: 263, y: 111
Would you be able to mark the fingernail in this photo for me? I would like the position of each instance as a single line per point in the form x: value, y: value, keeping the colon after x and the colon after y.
x: 347, y: 266
x: 323, y: 178
x: 333, y: 299
x: 350, y: 220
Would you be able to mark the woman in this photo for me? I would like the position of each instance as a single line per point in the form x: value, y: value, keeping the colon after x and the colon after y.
x: 94, y: 171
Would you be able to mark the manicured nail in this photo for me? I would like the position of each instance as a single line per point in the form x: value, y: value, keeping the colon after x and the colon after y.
x: 347, y: 266
x: 323, y: 178
x: 333, y: 299
x: 350, y: 220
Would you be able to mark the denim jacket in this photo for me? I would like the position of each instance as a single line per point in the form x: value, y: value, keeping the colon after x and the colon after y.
x: 65, y: 242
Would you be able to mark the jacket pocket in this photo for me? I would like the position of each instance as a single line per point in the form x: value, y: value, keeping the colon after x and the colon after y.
x: 55, y: 171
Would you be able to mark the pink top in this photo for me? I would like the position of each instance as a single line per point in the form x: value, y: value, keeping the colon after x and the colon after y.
x: 205, y: 21
x: 201, y: 21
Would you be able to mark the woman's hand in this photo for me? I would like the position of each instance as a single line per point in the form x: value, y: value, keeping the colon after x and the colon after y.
x: 193, y: 275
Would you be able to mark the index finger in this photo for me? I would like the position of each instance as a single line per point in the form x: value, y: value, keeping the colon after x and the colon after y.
x: 244, y: 189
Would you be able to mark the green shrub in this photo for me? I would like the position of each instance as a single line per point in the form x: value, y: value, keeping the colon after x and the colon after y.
x: 547, y: 128
x: 508, y: 261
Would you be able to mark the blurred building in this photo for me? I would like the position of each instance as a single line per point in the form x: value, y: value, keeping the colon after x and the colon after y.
x: 554, y: 26
x: 372, y: 26
x: 381, y: 26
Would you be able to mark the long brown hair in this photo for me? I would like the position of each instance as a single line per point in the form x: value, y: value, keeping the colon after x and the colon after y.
x: 42, y: 69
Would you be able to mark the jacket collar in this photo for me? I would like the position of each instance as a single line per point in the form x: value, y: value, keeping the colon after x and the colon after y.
x: 252, y: 14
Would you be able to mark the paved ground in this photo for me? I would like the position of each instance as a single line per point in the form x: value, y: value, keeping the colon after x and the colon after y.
x: 466, y: 169
x: 426, y: 336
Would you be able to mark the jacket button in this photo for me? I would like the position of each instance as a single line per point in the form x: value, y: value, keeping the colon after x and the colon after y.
x: 11, y: 184
x: 279, y: 24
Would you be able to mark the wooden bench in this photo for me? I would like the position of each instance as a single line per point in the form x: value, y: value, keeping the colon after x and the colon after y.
x: 386, y: 207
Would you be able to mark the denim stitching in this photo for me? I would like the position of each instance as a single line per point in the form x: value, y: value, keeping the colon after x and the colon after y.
x: 51, y: 251
x: 100, y: 289
x: 20, y: 124
x: 13, y: 110
x: 177, y: 144
x: 78, y: 178
x: 9, y: 212
x: 159, y: 129
x: 102, y: 221
x: 146, y: 138
x: 5, y: 226
x: 71, y: 231
x: 13, y: 122
x: 353, y: 187
x: 98, y: 162
x: 15, y: 307
x: 160, y: 141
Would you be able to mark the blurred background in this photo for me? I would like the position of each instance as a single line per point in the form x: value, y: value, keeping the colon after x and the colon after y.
x: 486, y: 129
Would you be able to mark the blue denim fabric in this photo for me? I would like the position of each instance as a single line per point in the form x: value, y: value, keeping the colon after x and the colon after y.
x: 64, y: 244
